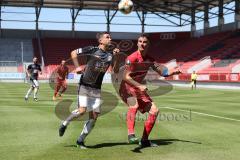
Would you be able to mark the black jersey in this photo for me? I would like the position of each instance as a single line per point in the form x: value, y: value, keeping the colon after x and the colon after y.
x: 98, y: 62
x: 33, y: 69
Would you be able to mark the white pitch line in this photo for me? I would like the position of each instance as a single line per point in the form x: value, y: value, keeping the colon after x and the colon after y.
x: 205, y: 114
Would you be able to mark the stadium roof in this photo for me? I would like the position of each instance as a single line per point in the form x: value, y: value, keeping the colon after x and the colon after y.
x: 174, y: 12
x: 169, y: 6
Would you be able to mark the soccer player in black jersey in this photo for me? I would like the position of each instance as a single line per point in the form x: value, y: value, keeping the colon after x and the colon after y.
x: 32, y: 71
x: 89, y: 92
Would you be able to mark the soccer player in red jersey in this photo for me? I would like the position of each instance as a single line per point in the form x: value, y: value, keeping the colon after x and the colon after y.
x: 62, y: 72
x: 134, y: 93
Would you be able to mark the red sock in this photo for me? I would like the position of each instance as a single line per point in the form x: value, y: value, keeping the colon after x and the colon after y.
x: 149, y: 123
x: 56, y: 90
x: 63, y: 89
x: 131, y: 114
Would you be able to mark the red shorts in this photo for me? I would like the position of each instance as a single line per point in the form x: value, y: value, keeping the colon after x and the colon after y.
x: 61, y: 82
x: 143, y: 99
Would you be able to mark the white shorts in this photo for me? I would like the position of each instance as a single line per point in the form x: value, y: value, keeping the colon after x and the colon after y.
x: 34, y: 83
x: 90, y: 98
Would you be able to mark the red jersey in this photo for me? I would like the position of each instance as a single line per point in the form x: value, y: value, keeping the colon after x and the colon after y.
x: 138, y: 65
x: 62, y: 72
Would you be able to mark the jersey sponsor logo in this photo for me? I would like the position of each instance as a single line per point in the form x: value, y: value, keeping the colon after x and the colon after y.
x: 101, y: 66
x: 35, y: 71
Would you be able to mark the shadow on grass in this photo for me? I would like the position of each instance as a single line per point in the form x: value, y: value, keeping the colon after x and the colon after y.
x: 101, y: 145
x: 160, y: 142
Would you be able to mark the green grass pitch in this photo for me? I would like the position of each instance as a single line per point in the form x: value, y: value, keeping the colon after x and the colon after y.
x: 194, y: 125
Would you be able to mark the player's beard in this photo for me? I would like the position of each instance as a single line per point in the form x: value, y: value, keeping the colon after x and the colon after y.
x: 108, y: 46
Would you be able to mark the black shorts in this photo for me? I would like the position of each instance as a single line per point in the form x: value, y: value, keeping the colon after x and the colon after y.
x: 194, y: 81
x: 34, y: 83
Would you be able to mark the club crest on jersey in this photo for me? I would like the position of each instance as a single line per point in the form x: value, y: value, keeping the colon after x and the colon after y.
x: 128, y: 62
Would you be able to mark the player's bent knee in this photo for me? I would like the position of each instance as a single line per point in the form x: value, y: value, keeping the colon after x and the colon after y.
x: 132, y: 102
x: 154, y: 110
x: 82, y: 110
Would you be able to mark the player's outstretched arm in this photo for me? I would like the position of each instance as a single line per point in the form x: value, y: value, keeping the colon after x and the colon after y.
x: 174, y: 71
x: 74, y: 58
x: 165, y: 71
x: 81, y: 52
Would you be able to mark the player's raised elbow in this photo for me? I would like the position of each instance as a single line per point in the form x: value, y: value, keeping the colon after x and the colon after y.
x: 74, y: 54
x: 126, y: 77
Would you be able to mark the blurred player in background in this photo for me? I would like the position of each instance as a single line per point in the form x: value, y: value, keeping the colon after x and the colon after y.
x: 194, y: 80
x: 32, y: 72
x: 89, y: 92
x: 134, y: 93
x: 61, y: 83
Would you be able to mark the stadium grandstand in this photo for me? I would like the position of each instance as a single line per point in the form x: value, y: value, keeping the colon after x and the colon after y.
x: 213, y: 52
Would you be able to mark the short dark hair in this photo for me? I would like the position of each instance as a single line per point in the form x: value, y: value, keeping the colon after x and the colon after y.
x: 100, y: 35
x: 145, y: 35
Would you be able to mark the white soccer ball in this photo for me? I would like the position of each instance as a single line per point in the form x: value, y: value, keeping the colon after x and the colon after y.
x: 125, y: 6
